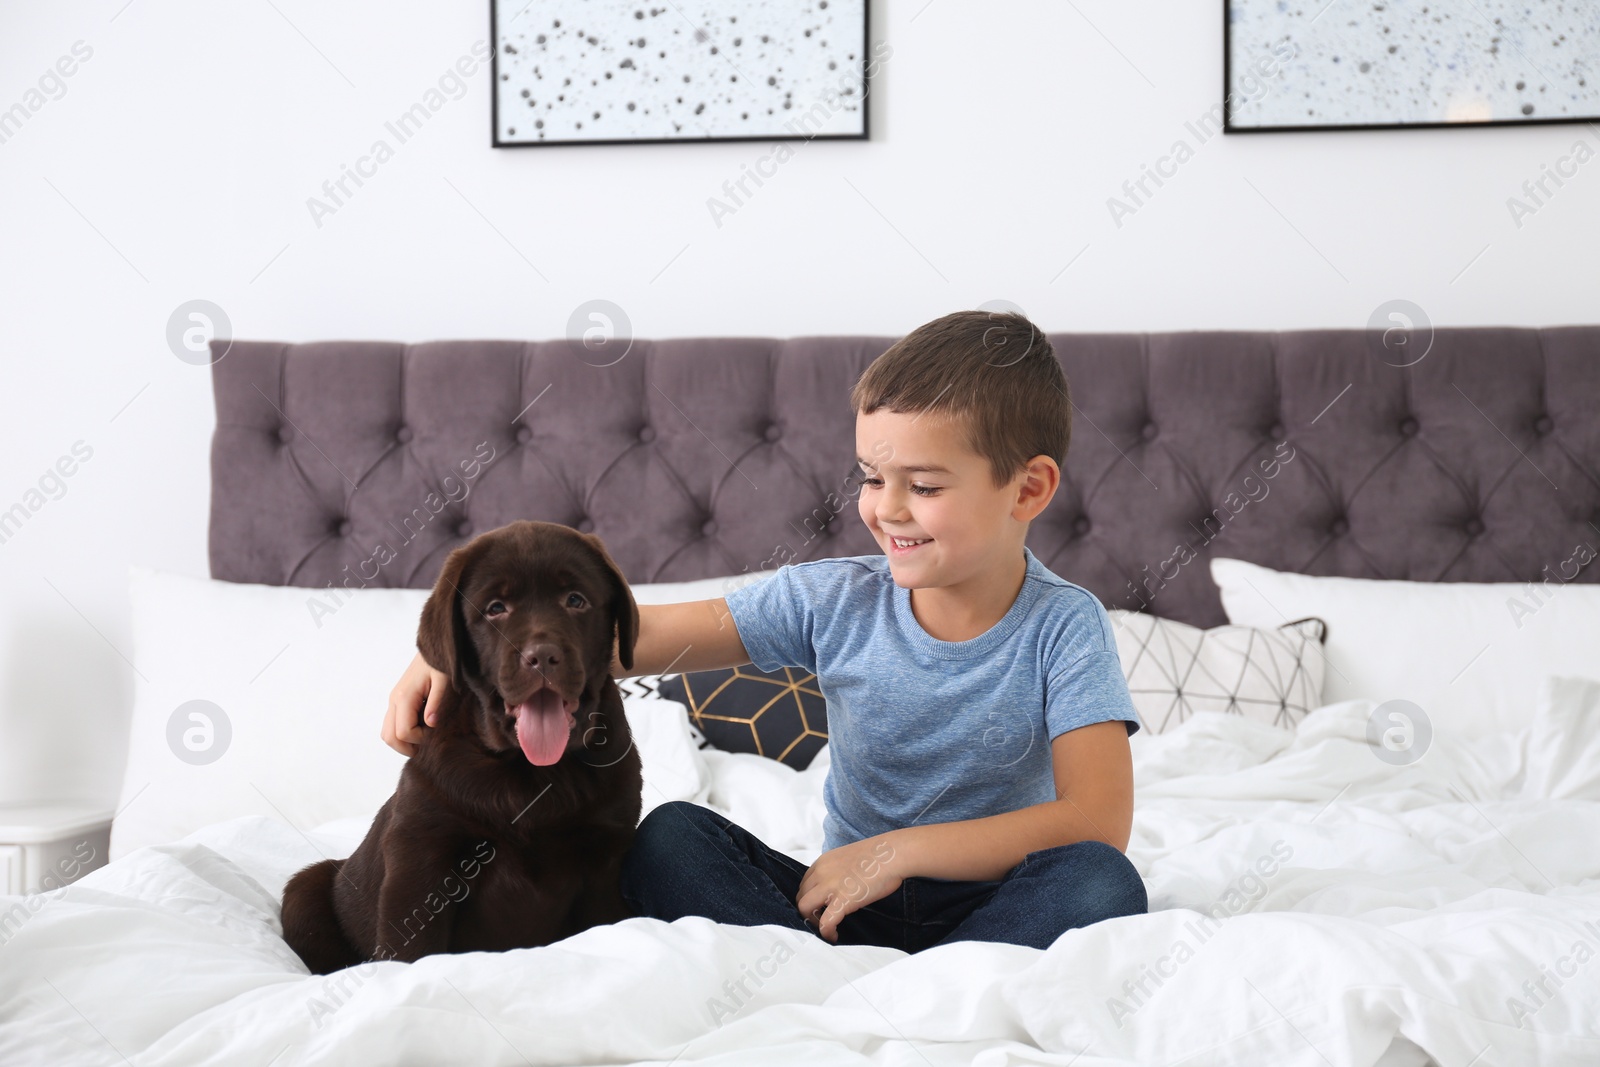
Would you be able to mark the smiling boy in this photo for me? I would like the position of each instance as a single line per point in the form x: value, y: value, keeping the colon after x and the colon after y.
x: 980, y: 784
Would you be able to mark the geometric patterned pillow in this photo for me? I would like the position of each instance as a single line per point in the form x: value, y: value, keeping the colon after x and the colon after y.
x: 648, y: 687
x: 1174, y: 669
x: 780, y: 714
x: 641, y: 686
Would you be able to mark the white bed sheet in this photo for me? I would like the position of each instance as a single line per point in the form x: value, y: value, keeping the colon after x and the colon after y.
x: 1372, y: 914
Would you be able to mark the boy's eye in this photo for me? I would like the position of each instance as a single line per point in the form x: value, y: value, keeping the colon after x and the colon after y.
x: 920, y: 490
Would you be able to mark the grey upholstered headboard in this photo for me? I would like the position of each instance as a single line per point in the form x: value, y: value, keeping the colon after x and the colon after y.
x: 363, y: 463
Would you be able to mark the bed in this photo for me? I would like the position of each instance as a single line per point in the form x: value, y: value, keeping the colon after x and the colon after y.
x: 1312, y: 899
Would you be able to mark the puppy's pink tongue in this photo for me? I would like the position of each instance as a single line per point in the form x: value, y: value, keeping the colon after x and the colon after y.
x: 543, y: 728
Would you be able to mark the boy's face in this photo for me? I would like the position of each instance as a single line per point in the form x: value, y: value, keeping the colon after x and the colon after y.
x: 963, y: 520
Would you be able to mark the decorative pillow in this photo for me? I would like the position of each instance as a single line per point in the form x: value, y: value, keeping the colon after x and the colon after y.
x: 1472, y: 655
x: 641, y: 687
x: 648, y: 687
x: 780, y: 714
x: 1272, y: 676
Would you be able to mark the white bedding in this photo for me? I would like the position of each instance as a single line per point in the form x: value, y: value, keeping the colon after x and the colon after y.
x: 1371, y: 913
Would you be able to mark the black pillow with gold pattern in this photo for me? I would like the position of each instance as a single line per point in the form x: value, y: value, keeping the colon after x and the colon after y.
x: 780, y: 714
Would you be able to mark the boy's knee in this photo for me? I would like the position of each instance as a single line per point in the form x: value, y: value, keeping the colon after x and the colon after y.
x: 659, y: 823
x: 1104, y: 883
x: 660, y: 836
x: 664, y: 814
x: 668, y: 851
x: 651, y: 848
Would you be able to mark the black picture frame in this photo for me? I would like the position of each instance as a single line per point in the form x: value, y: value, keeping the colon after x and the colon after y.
x: 494, y: 104
x: 1227, y: 115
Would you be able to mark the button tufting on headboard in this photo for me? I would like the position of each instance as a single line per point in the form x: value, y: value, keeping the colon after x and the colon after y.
x: 1184, y: 446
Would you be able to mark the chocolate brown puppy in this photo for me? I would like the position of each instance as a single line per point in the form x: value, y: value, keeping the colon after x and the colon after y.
x: 509, y: 825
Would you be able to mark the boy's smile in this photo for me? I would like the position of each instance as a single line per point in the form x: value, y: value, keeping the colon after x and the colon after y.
x: 948, y: 533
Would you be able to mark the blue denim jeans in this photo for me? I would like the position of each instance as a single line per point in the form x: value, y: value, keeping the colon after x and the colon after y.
x: 689, y: 860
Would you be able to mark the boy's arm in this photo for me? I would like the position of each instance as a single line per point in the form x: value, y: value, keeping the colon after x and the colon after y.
x: 677, y: 638
x: 1094, y: 801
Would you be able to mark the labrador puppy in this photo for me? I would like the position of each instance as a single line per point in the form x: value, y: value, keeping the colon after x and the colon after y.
x: 509, y: 825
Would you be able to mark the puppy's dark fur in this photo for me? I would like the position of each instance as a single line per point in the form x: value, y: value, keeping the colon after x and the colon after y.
x: 479, y: 848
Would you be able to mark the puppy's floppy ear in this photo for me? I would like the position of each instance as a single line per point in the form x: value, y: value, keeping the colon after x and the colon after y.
x: 624, y: 609
x: 442, y: 636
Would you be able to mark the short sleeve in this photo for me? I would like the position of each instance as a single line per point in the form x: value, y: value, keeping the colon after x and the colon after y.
x: 1088, y: 690
x: 775, y: 621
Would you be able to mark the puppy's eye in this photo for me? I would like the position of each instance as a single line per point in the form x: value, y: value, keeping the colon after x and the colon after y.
x: 495, y: 608
x: 577, y: 600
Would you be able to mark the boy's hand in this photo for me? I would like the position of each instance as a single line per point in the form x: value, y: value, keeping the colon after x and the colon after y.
x: 401, y: 731
x: 844, y: 879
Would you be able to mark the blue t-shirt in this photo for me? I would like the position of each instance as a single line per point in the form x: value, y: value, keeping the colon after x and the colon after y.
x: 928, y: 731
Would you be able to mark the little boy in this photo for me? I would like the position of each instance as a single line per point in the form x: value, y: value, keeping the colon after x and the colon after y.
x: 980, y: 785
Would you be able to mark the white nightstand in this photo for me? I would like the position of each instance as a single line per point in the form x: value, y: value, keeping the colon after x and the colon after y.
x: 52, y: 843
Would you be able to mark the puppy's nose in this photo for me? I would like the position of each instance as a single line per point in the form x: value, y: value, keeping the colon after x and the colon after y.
x: 542, y: 656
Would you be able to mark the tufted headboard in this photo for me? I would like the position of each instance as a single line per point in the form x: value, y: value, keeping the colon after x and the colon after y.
x: 362, y: 463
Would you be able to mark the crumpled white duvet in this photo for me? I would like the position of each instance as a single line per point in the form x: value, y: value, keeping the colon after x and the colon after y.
x: 1310, y: 904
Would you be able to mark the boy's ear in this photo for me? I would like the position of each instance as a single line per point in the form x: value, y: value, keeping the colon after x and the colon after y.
x: 624, y: 609
x: 442, y: 635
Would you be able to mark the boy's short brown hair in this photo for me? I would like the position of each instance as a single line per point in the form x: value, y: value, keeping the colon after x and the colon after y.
x: 993, y: 371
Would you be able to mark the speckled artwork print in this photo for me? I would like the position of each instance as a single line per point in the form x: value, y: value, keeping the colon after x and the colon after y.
x: 1396, y: 62
x: 603, y: 70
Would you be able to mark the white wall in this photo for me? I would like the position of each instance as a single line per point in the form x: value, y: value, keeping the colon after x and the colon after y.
x: 179, y: 161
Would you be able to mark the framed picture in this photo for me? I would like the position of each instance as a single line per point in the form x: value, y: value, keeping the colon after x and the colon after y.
x: 572, y: 72
x: 1389, y: 64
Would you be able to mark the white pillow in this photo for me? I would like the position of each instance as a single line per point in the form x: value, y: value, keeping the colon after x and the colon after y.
x: 698, y: 589
x: 295, y: 683
x: 673, y: 766
x: 1270, y: 675
x: 1472, y: 655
